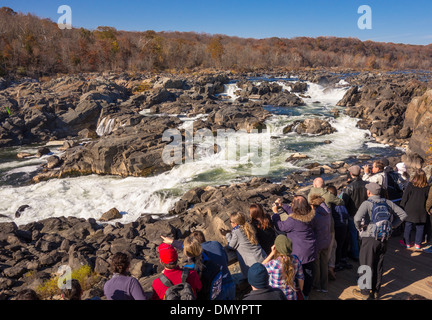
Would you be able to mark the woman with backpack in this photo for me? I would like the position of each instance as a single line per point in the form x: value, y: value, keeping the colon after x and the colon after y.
x: 263, y: 224
x: 216, y: 252
x: 209, y: 272
x: 243, y: 240
x: 285, y: 269
x: 414, y: 203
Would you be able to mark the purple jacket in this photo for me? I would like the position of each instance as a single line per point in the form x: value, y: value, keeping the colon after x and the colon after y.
x: 321, y: 224
x: 300, y: 230
x: 121, y: 287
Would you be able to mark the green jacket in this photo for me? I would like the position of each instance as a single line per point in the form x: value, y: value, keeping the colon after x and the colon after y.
x: 329, y: 198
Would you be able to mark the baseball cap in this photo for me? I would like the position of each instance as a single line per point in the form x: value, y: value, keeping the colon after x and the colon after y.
x: 355, y: 170
x: 374, y: 188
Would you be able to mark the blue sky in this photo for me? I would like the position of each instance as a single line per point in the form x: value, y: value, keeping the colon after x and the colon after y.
x: 397, y: 21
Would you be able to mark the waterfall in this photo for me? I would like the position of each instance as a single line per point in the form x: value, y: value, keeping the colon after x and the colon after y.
x: 106, y: 126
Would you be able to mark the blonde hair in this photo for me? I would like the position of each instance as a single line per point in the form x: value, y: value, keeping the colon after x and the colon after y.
x: 191, y: 247
x: 193, y: 250
x: 288, y: 271
x: 240, y: 219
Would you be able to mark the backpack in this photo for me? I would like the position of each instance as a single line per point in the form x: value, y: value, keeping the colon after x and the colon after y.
x: 381, y: 217
x: 216, y: 284
x: 211, y: 278
x: 181, y: 291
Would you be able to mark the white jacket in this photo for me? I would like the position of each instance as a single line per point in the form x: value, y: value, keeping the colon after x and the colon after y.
x: 379, y: 178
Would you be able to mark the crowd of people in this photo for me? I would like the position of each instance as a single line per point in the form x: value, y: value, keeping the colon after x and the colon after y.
x: 297, y: 247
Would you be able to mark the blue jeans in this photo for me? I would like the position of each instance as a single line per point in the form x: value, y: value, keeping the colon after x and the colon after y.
x: 354, y: 251
x: 418, y: 235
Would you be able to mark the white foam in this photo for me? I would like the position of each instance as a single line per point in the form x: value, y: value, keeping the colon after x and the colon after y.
x: 348, y: 140
x: 86, y: 197
x: 325, y: 95
x: 284, y: 85
x: 106, y: 126
x: 230, y: 91
x: 376, y: 145
x: 28, y: 169
x: 188, y: 121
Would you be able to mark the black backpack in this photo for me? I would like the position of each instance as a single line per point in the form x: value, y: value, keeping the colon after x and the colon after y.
x: 181, y: 291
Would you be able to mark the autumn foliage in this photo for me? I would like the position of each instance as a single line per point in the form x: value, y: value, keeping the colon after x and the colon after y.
x: 33, y: 46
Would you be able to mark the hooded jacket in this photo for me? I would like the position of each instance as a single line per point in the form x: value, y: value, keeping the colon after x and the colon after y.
x: 321, y: 224
x: 299, y: 229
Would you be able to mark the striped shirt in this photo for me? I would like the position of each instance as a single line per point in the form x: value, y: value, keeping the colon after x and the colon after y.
x: 274, y: 269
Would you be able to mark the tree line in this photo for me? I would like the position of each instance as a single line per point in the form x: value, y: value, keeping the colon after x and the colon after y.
x: 34, y: 46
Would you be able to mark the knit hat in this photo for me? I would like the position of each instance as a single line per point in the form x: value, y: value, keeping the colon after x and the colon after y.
x: 283, y: 245
x: 258, y: 276
x: 374, y: 188
x: 401, y: 167
x: 167, y: 253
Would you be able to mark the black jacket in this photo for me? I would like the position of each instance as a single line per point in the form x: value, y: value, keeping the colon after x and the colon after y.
x: 268, y: 293
x: 354, y: 194
x: 414, y: 203
x: 265, y: 237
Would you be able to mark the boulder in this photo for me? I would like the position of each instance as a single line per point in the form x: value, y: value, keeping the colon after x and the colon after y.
x: 418, y: 121
x: 21, y: 210
x: 43, y: 151
x: 53, y: 162
x: 111, y: 214
x: 23, y: 155
x: 299, y: 87
x: 296, y: 156
x: 168, y: 83
x: 350, y: 98
x: 124, y: 246
x: 283, y: 99
x: 310, y: 126
x: 102, y: 267
x: 7, y: 229
x: 127, y: 151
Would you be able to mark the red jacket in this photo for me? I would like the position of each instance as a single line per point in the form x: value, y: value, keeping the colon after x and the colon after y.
x: 174, y: 275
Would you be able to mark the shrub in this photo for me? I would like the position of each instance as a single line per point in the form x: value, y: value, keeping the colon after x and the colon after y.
x: 85, y: 276
x: 145, y: 86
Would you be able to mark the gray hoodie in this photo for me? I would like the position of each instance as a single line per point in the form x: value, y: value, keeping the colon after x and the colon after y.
x: 365, y: 210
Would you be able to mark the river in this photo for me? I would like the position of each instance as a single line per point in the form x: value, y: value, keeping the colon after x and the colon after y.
x: 91, y: 196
